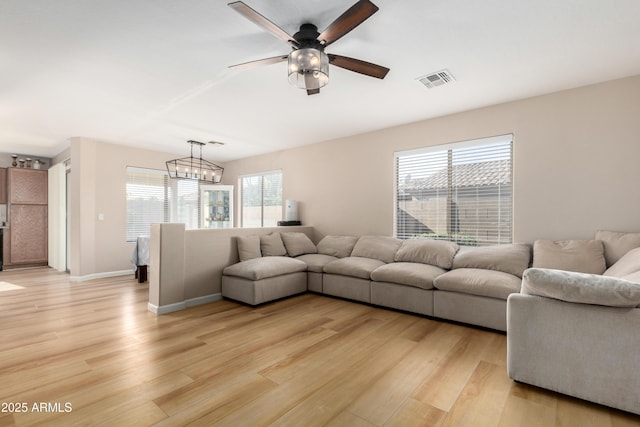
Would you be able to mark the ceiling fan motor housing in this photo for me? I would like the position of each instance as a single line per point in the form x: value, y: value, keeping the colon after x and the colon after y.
x: 307, y: 37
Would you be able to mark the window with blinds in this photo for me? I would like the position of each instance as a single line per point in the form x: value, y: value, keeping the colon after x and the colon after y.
x: 460, y: 192
x: 261, y: 199
x: 152, y: 197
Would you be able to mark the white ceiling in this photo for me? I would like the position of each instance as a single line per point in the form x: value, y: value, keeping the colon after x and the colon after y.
x: 153, y: 73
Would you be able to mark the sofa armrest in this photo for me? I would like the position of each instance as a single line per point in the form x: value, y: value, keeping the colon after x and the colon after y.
x: 580, y: 288
x: 586, y: 351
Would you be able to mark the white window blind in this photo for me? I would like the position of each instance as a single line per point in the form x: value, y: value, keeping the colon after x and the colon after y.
x: 460, y: 192
x: 261, y: 199
x: 152, y: 197
x: 184, y: 200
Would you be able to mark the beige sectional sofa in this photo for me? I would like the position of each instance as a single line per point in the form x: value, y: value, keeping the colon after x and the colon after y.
x: 572, y: 319
x: 430, y: 277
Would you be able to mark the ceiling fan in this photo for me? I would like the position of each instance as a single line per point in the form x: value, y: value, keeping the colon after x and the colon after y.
x: 308, y: 63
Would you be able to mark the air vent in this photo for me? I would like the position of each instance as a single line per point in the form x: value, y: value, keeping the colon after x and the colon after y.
x: 436, y: 79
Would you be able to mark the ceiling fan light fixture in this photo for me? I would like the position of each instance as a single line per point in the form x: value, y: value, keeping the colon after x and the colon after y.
x: 308, y: 68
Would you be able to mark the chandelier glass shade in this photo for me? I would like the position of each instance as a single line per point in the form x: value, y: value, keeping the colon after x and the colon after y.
x: 195, y: 168
x: 308, y: 68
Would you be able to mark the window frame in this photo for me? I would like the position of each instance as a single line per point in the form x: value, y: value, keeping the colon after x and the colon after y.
x: 452, y: 215
x: 241, y: 198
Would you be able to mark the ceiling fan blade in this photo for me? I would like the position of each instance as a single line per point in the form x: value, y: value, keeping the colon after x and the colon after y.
x: 260, y: 62
x: 261, y: 21
x: 312, y: 91
x: 359, y: 66
x: 346, y: 22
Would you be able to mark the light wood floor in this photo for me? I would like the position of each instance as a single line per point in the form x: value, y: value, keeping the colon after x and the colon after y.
x: 308, y: 360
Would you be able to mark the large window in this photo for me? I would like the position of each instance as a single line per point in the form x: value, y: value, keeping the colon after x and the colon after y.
x: 460, y: 192
x: 152, y: 197
x: 261, y: 199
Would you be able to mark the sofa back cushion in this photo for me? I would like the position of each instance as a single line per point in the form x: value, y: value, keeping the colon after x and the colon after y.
x: 248, y: 247
x: 382, y: 248
x: 337, y: 246
x: 297, y: 243
x: 271, y: 245
x: 427, y: 251
x: 583, y: 256
x: 617, y: 244
x: 628, y: 264
x: 512, y: 258
x: 632, y: 277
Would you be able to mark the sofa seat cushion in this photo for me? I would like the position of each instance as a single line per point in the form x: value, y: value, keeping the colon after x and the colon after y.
x: 408, y: 273
x: 263, y: 268
x: 353, y: 266
x: 475, y: 281
x: 582, y: 288
x: 316, y: 262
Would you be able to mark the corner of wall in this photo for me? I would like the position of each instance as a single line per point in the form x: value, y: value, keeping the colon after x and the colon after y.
x: 166, y: 264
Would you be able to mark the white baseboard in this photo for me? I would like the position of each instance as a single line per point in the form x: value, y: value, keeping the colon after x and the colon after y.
x: 164, y: 309
x: 169, y: 308
x: 100, y: 275
x: 203, y: 300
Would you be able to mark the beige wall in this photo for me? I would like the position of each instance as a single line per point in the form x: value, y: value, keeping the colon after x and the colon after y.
x: 575, y: 171
x: 575, y: 165
x: 98, y: 180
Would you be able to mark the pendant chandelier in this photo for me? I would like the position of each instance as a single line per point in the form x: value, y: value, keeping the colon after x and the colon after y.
x: 195, y: 168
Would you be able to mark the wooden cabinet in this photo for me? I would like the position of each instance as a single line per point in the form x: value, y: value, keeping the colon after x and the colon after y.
x: 28, y: 186
x: 26, y: 240
x: 3, y: 186
x: 28, y: 231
